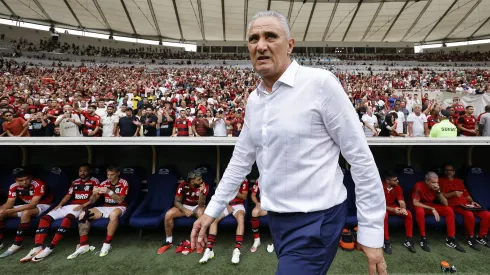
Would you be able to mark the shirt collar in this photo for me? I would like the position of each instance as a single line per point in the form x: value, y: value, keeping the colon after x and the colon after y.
x: 286, y: 78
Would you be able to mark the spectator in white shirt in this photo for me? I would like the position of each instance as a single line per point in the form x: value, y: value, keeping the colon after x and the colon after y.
x: 370, y: 123
x: 69, y: 123
x: 219, y: 124
x: 417, y: 123
x: 297, y: 155
x: 101, y: 109
x: 109, y: 123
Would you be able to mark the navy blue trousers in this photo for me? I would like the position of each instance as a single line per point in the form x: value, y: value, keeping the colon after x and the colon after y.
x: 306, y: 243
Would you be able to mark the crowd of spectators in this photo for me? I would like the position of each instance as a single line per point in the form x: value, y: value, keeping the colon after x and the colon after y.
x: 202, y: 101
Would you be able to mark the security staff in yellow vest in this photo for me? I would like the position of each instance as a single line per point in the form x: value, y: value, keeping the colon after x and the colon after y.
x: 444, y: 128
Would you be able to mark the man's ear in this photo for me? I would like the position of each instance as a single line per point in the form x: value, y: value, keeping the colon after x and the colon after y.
x: 290, y: 45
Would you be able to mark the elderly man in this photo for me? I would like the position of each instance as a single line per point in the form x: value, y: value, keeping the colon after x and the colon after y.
x: 427, y: 199
x: 297, y: 156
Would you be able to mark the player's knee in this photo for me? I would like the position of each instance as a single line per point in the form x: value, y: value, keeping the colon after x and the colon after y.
x: 240, y: 217
x: 26, y: 214
x: 449, y: 211
x: 409, y: 214
x: 114, y: 216
x: 419, y: 211
x: 81, y: 216
x: 255, y: 212
x: 169, y: 215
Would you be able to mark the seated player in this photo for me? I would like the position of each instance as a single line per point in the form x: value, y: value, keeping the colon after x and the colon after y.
x: 395, y: 206
x: 32, y: 192
x: 457, y: 195
x: 256, y: 213
x: 236, y: 208
x: 78, y: 195
x: 190, y: 201
x: 114, y: 190
x: 424, y: 195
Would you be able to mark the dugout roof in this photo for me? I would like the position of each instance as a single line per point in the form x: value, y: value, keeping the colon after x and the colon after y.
x: 219, y: 20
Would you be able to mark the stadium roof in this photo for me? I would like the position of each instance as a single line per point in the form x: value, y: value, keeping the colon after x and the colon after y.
x: 225, y: 20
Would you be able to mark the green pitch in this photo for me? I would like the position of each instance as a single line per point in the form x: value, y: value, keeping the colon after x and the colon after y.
x: 132, y: 255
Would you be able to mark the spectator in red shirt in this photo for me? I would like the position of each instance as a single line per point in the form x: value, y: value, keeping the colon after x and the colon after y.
x: 91, y: 124
x: 182, y: 126
x: 424, y: 195
x: 457, y: 196
x: 200, y: 125
x: 433, y: 119
x: 15, y: 127
x: 396, y: 206
x: 467, y: 123
x: 236, y: 121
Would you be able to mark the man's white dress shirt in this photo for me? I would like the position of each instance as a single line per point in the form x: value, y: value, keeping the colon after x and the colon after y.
x: 295, y: 134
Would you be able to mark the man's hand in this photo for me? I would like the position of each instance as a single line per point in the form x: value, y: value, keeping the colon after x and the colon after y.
x: 376, y: 261
x: 103, y: 190
x: 436, y: 215
x: 198, y: 233
x: 403, y: 211
x: 188, y: 212
x: 96, y: 190
x: 57, y: 207
x: 78, y: 208
x: 458, y: 193
x: 475, y: 204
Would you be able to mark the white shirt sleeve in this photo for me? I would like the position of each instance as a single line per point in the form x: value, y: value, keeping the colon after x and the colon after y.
x: 239, y: 167
x: 341, y: 123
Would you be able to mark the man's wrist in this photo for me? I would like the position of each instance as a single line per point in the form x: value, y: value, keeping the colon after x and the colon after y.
x: 111, y: 192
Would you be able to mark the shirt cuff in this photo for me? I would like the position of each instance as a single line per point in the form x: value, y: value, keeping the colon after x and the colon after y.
x: 214, y: 209
x: 370, y: 237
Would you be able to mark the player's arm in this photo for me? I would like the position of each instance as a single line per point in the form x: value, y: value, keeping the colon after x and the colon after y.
x: 242, y: 195
x: 253, y: 197
x: 8, y: 204
x: 441, y: 198
x: 65, y: 199
x: 202, y: 199
x: 391, y: 209
x: 34, y: 202
x: 410, y: 128
x: 417, y: 203
x: 117, y: 198
x: 178, y: 203
x: 402, y: 204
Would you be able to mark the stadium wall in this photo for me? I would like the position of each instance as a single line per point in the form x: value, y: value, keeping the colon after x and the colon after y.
x: 186, y: 153
x: 469, y: 48
x: 316, y: 44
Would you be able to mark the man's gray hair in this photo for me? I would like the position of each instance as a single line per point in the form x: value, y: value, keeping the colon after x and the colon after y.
x: 431, y: 175
x: 279, y: 16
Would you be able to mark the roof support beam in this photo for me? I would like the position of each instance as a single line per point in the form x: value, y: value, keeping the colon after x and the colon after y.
x: 72, y: 13
x: 8, y: 7
x: 483, y: 24
x: 129, y: 17
x: 201, y: 20
x: 394, y: 21
x: 372, y: 20
x: 269, y: 5
x: 152, y: 11
x: 46, y: 15
x: 291, y: 3
x: 417, y: 19
x: 245, y: 21
x: 352, y: 20
x: 223, y: 20
x: 464, y: 18
x: 330, y: 20
x: 440, y: 19
x: 101, y: 13
x: 178, y: 20
x: 309, y: 19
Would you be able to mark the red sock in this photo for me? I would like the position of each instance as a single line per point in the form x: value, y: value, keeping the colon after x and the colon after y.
x: 83, y: 240
x: 255, y: 227
x: 65, y: 226
x: 20, y: 232
x: 108, y: 239
x: 43, y: 230
x: 239, y: 240
x: 2, y: 226
x: 211, y: 240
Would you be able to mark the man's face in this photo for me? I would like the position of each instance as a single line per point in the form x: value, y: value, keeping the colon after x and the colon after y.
x: 110, y: 110
x: 417, y: 110
x: 112, y: 176
x: 101, y: 104
x: 451, y: 111
x: 392, y: 181
x: 83, y: 172
x: 433, y: 183
x: 149, y: 111
x: 269, y: 47
x: 24, y: 181
x: 195, y: 182
x: 129, y: 113
x: 449, y: 171
x: 470, y: 110
x: 182, y: 114
x: 90, y: 110
x: 199, y: 114
x: 8, y: 116
x: 4, y: 102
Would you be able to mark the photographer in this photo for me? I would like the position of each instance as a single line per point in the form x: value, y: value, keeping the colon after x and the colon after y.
x: 68, y: 123
x: 219, y: 124
x: 37, y: 125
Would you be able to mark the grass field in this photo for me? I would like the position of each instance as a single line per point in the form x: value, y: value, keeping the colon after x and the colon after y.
x: 132, y: 255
